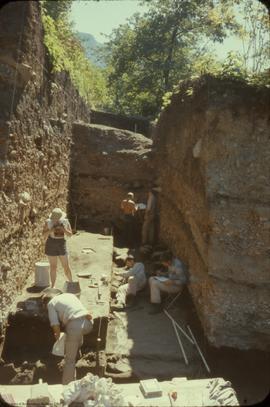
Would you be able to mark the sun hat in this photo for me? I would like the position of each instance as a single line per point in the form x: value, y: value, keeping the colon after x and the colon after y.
x: 57, y: 214
x: 130, y: 257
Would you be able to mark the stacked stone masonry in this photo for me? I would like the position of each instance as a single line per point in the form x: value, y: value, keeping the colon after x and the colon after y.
x: 36, y: 114
x: 213, y: 146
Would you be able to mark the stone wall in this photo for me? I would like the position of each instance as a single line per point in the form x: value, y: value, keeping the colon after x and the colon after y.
x: 106, y: 164
x: 212, y: 155
x: 36, y: 114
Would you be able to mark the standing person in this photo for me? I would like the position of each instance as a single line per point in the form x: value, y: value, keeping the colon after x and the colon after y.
x: 172, y: 281
x: 68, y: 310
x: 149, y: 228
x: 136, y: 281
x: 55, y: 230
x: 128, y: 208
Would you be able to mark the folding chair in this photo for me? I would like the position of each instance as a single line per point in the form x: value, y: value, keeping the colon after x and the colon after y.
x: 172, y: 298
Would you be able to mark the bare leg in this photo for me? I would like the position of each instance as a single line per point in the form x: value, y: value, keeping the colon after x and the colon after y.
x: 65, y: 264
x: 53, y: 267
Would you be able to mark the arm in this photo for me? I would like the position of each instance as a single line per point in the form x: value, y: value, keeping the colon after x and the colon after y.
x: 67, y: 228
x: 46, y: 231
x: 56, y: 331
x: 54, y: 321
x: 89, y: 316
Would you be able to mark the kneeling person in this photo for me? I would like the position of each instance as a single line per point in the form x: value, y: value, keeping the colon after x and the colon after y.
x: 173, y: 282
x: 68, y: 310
x: 136, y: 281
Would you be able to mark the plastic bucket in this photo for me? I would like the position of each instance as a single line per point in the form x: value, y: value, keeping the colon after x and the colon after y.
x: 42, y: 277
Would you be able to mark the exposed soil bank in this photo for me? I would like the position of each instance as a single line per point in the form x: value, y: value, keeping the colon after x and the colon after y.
x: 212, y: 143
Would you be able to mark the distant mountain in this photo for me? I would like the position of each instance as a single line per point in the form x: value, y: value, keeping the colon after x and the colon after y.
x: 90, y: 44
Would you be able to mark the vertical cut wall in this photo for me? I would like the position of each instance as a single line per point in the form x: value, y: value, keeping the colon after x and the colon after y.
x: 107, y: 162
x: 36, y: 114
x: 212, y: 155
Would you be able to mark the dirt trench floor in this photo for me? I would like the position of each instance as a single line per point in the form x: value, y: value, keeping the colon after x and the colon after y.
x: 136, y: 345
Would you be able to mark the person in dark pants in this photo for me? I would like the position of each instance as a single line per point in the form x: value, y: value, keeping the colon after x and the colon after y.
x: 128, y: 208
x: 150, y: 223
x: 55, y: 230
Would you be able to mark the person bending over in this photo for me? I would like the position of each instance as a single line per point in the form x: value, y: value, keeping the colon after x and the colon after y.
x: 66, y: 309
x: 55, y: 231
x: 135, y: 278
x: 172, y: 281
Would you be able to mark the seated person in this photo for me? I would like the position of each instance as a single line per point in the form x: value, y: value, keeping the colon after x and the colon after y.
x: 170, y: 282
x: 135, y: 278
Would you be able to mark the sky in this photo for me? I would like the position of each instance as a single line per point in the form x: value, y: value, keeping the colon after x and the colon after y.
x: 97, y: 17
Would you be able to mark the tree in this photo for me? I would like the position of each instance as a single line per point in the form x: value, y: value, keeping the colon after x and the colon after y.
x: 255, y: 36
x: 57, y: 8
x: 153, y: 51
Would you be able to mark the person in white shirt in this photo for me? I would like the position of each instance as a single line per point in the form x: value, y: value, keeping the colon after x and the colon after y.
x: 172, y: 282
x: 66, y: 309
x: 136, y: 281
x: 55, y: 231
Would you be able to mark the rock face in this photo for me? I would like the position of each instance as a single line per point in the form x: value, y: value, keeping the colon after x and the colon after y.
x: 106, y: 164
x: 212, y: 151
x: 119, y: 121
x: 36, y: 114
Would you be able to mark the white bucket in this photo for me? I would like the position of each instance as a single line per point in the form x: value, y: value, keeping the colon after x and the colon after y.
x: 42, y: 277
x: 59, y: 346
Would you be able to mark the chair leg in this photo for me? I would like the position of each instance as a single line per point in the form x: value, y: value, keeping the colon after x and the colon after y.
x: 173, y: 300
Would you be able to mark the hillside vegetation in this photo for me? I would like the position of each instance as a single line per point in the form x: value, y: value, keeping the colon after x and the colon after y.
x: 68, y: 54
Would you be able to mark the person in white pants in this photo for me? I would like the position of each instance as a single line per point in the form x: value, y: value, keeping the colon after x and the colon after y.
x: 136, y: 281
x: 68, y: 310
x: 172, y: 281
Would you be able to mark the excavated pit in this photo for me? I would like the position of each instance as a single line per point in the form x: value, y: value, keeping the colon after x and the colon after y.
x: 141, y: 347
x: 205, y: 147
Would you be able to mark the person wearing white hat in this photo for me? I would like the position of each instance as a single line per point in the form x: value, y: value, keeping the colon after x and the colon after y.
x: 55, y: 230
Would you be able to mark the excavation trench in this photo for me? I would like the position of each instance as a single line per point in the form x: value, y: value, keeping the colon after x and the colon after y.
x: 133, y: 345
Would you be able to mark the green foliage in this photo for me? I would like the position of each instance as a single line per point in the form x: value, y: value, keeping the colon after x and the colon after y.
x: 152, y: 52
x: 255, y: 36
x: 56, y: 8
x: 67, y: 54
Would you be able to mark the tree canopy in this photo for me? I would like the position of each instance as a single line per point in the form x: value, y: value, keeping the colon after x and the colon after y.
x: 153, y: 51
x: 171, y: 41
